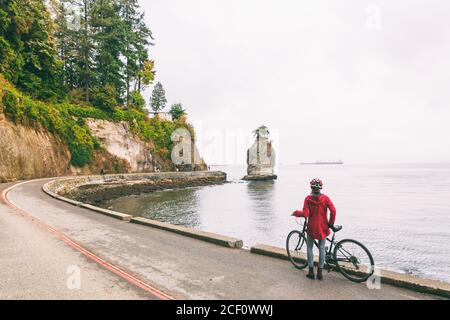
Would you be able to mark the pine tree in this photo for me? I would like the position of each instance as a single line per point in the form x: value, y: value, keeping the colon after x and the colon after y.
x: 84, y: 50
x: 109, y: 38
x: 27, y: 48
x: 129, y: 16
x: 146, y: 73
x: 136, y: 42
x: 158, y: 100
x: 65, y: 41
x: 91, y: 48
x: 177, y: 111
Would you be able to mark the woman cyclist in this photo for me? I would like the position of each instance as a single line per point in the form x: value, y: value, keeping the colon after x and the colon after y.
x: 316, y: 208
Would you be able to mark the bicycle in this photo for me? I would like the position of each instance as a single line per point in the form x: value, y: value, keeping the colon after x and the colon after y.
x: 351, y: 258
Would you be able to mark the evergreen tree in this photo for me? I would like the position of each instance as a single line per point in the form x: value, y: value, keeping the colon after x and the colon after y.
x: 84, y: 50
x: 90, y: 47
x: 65, y: 40
x: 158, y: 100
x: 177, y: 111
x: 109, y: 39
x: 129, y: 15
x: 27, y: 48
x: 136, y: 41
x: 146, y: 73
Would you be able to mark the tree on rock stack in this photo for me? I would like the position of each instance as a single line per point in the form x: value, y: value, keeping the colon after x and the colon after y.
x: 177, y: 111
x: 158, y: 100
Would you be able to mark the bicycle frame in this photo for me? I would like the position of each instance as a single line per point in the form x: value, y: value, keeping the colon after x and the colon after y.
x: 329, y: 258
x: 335, y: 253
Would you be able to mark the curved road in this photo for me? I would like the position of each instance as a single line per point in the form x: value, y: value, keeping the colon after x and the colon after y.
x: 34, y: 262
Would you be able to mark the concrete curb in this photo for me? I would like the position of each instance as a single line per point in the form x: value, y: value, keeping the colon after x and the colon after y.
x: 110, y: 213
x: 434, y: 287
x: 270, y: 251
x: 192, y: 233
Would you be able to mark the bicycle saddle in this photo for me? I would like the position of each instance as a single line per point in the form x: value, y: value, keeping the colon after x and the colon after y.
x: 336, y: 228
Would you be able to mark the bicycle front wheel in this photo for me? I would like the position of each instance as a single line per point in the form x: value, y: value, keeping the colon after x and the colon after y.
x: 296, y: 249
x: 354, y: 260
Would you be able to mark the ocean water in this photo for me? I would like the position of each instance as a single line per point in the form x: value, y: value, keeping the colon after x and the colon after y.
x: 400, y: 212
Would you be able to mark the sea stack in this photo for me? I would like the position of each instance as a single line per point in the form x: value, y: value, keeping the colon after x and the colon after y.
x: 261, y: 157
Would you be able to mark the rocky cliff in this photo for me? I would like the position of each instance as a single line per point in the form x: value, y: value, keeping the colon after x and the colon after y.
x: 27, y: 153
x: 117, y: 139
x: 41, y: 139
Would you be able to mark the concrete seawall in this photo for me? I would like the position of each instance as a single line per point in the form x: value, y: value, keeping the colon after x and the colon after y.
x: 417, y: 284
x: 193, y: 233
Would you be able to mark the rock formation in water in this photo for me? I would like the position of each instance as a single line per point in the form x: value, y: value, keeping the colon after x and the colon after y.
x: 261, y: 157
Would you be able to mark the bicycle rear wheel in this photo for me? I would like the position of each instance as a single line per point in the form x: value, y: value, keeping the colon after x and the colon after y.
x: 354, y: 260
x: 296, y: 249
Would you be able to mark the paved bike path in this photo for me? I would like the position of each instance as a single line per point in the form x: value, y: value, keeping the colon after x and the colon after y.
x: 185, y: 267
x: 36, y: 265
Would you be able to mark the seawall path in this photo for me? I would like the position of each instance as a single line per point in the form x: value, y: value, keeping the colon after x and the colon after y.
x: 174, y: 265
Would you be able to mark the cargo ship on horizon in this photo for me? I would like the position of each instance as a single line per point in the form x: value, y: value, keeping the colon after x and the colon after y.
x: 340, y: 162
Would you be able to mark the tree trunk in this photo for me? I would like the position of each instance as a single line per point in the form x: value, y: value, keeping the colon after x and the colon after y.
x: 86, y: 51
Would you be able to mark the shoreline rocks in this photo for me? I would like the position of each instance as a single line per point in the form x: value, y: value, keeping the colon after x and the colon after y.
x: 260, y: 177
x: 101, y: 189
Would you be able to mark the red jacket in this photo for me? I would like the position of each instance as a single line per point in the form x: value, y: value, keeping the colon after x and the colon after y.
x: 315, y: 208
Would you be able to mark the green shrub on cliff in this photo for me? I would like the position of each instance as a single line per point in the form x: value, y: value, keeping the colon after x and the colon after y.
x: 157, y: 130
x: 68, y: 122
x: 137, y: 100
x: 25, y: 111
x: 11, y: 106
x: 81, y: 145
x: 105, y: 97
x: 28, y: 55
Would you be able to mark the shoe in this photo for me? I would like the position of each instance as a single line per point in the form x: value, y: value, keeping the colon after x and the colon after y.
x: 319, y: 274
x: 310, y: 274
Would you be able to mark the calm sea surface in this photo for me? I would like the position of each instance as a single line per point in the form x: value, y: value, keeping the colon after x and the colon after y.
x: 400, y: 212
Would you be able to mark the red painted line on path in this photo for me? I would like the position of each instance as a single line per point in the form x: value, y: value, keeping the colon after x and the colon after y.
x: 119, y: 272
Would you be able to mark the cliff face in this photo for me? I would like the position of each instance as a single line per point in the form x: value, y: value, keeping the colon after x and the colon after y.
x: 118, y: 141
x: 28, y: 153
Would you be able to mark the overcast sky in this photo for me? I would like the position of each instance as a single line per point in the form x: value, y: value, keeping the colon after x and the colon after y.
x: 362, y: 81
